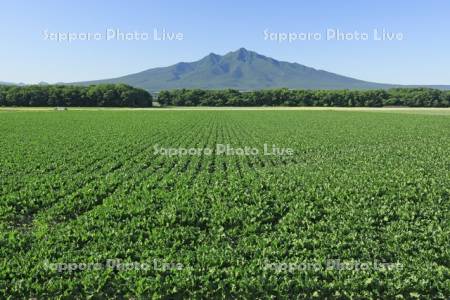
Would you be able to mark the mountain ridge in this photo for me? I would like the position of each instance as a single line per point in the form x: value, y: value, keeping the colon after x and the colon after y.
x: 241, y: 69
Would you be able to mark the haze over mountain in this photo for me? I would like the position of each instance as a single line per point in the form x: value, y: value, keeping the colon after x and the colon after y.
x: 12, y: 83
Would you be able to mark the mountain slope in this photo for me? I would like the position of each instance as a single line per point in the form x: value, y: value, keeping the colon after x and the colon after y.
x: 242, y: 70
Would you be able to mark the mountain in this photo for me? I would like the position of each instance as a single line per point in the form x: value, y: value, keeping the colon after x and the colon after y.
x: 242, y: 70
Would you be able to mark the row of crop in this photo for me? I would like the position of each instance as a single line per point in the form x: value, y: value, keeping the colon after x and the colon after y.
x: 348, y: 193
x: 91, y: 188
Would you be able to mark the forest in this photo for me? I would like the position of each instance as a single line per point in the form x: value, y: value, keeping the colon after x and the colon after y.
x: 102, y: 95
x: 411, y: 97
x: 121, y: 95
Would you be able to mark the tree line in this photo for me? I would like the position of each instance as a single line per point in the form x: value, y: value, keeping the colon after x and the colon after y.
x: 121, y: 95
x: 412, y: 97
x: 104, y: 95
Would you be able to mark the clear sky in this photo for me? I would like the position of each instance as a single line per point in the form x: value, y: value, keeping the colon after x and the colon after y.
x: 28, y: 55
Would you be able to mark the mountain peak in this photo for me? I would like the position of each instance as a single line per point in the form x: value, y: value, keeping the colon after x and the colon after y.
x: 214, y: 56
x: 243, y: 54
x: 242, y: 50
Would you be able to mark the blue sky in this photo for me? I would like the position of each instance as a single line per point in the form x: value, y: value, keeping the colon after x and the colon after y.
x: 422, y: 57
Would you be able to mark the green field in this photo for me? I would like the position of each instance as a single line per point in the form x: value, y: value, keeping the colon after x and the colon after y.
x: 81, y: 191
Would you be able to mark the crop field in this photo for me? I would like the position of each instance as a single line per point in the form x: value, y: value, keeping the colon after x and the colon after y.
x: 132, y: 204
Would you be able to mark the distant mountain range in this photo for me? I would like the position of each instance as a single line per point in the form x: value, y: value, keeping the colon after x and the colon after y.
x: 12, y: 83
x: 242, y: 70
